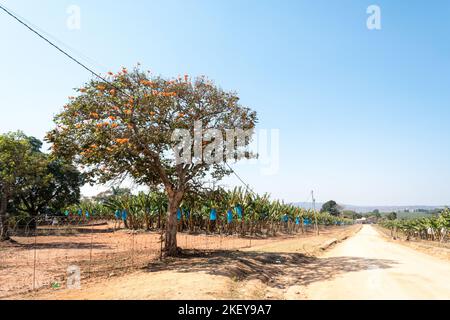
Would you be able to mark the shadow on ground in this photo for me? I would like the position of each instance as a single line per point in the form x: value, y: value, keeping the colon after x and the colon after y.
x: 277, y: 270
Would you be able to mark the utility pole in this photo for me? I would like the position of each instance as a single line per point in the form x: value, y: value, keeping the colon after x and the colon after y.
x: 315, y: 213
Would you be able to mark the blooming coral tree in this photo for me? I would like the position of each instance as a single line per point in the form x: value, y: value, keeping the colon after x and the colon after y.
x: 124, y: 127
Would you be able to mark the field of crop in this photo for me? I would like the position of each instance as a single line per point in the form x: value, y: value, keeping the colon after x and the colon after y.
x: 434, y: 228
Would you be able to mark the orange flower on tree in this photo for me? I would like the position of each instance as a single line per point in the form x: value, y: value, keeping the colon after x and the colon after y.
x: 122, y: 141
x: 101, y: 87
x: 147, y: 83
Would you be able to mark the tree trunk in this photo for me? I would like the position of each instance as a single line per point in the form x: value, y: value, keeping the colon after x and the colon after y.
x: 171, y: 248
x: 32, y: 225
x: 3, y: 217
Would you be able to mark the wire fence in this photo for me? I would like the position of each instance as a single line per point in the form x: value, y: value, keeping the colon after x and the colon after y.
x: 48, y: 252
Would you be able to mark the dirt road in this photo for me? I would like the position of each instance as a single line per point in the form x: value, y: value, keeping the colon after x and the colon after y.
x: 393, y: 271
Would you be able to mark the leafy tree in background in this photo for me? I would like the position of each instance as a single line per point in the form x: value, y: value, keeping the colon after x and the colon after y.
x: 47, y: 185
x: 331, y: 207
x: 375, y: 213
x: 124, y: 127
x: 33, y: 182
x: 15, y: 156
x: 392, y: 216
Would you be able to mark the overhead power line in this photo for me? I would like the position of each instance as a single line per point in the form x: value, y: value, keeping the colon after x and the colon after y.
x: 51, y: 43
x: 60, y: 43
x: 71, y: 57
x: 240, y: 179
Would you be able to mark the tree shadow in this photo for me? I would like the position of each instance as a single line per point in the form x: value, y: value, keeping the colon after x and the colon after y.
x: 278, y: 270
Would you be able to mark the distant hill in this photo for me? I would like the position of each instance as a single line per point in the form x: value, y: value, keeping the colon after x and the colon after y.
x: 366, y: 209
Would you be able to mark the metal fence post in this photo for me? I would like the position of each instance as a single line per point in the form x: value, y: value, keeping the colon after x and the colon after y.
x: 161, y: 244
x: 132, y: 249
x: 90, y: 250
x: 35, y: 253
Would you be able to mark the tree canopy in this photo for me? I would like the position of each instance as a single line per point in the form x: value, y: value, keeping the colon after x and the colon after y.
x: 49, y: 186
x: 15, y: 155
x: 31, y: 181
x: 332, y: 208
x: 392, y: 216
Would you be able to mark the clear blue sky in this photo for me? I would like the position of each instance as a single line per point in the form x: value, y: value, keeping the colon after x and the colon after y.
x: 363, y: 115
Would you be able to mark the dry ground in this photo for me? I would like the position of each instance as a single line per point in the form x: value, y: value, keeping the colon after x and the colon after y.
x: 100, y: 252
x: 365, y: 266
x: 279, y: 269
x: 434, y: 248
x: 393, y: 271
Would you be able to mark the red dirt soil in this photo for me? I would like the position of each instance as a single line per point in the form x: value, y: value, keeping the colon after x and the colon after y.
x: 33, y: 263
